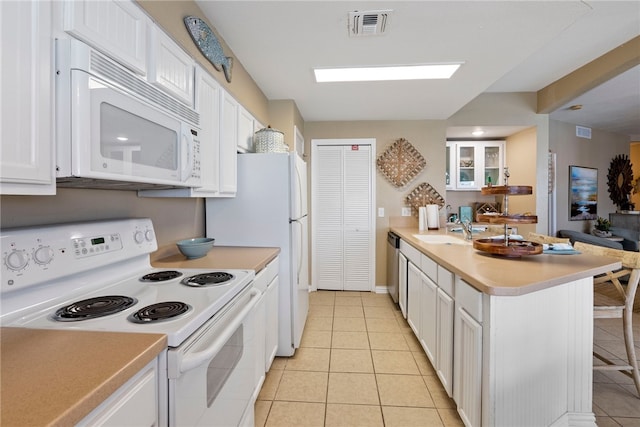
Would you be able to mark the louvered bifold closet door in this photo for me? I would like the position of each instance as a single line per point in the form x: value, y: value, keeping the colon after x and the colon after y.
x: 343, y: 217
x: 329, y: 237
x: 357, y: 205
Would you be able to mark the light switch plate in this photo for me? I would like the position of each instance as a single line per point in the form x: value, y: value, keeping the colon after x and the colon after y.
x: 381, y: 212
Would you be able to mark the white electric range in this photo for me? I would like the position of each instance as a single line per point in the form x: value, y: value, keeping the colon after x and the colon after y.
x: 97, y: 276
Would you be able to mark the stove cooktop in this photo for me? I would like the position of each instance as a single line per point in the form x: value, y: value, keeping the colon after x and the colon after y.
x: 189, y: 306
x: 69, y: 269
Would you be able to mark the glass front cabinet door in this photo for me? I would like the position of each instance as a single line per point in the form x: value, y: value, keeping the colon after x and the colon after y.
x: 472, y: 165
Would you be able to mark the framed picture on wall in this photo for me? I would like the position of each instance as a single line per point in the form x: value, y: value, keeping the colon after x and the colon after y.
x: 583, y: 193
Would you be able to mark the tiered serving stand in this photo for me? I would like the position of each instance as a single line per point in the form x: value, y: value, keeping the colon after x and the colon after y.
x: 507, y: 247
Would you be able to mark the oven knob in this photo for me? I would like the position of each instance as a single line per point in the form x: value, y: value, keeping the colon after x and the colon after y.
x: 148, y: 235
x: 43, y: 255
x: 16, y: 260
x: 138, y: 236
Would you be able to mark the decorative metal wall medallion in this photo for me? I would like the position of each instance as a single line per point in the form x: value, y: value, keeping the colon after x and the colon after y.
x: 619, y: 180
x: 424, y: 194
x: 400, y: 163
x: 208, y: 44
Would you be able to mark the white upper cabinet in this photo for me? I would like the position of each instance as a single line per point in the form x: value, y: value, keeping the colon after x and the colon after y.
x: 246, y: 130
x: 228, y: 145
x: 471, y: 165
x: 208, y: 105
x: 170, y: 67
x: 26, y: 98
x: 116, y: 28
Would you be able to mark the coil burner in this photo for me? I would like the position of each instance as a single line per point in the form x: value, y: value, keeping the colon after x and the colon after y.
x: 161, y: 311
x: 93, y: 308
x: 160, y: 276
x: 208, y: 279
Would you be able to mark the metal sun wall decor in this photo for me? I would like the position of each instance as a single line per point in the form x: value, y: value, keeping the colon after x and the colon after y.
x: 400, y: 163
x: 209, y: 45
x: 424, y: 194
x: 619, y: 180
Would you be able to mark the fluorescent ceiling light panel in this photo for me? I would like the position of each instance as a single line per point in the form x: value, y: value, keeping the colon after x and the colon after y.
x: 396, y: 72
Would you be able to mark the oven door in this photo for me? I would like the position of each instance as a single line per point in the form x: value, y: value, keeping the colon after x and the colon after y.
x: 212, y: 374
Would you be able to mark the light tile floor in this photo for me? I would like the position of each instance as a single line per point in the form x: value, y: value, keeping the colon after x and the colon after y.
x: 359, y: 364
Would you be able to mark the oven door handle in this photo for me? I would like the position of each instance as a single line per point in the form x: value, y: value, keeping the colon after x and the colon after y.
x: 193, y: 360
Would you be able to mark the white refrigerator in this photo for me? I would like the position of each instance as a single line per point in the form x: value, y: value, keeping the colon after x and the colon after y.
x: 270, y: 209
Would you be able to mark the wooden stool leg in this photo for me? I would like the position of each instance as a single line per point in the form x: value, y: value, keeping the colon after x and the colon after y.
x: 631, y: 351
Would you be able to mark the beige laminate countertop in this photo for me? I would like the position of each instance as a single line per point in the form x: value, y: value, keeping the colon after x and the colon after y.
x: 496, y: 275
x: 231, y: 257
x: 57, y: 377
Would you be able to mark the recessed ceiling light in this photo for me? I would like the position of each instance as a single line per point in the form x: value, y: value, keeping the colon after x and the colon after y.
x: 478, y: 132
x: 122, y: 138
x: 396, y: 72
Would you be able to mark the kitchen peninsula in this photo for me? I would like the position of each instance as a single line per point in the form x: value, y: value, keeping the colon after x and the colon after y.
x: 510, y: 338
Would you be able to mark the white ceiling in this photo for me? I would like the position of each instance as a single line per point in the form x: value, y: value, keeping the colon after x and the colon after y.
x: 506, y: 46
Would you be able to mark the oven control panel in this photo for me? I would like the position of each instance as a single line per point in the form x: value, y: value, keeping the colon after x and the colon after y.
x: 31, y: 256
x: 95, y: 245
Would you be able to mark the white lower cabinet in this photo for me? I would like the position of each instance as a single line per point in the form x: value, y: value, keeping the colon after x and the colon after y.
x: 444, y: 340
x: 467, y: 369
x: 414, y: 285
x: 430, y: 311
x: 429, y: 334
x: 402, y: 284
x: 272, y: 324
x: 136, y: 403
x: 267, y: 282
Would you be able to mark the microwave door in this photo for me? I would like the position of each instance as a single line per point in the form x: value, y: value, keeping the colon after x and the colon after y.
x: 123, y: 138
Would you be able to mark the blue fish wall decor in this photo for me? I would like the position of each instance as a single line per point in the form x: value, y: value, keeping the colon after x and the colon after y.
x: 209, y: 45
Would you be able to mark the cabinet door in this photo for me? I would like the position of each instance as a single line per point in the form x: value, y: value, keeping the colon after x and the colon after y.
x: 466, y: 167
x: 492, y: 163
x: 402, y: 284
x: 116, y: 28
x: 414, y: 285
x: 467, y: 389
x: 208, y: 106
x: 271, y: 342
x: 444, y: 337
x: 450, y: 167
x: 228, y: 144
x: 245, y: 131
x: 260, y: 331
x: 134, y: 403
x: 429, y: 319
x: 26, y: 101
x: 170, y: 68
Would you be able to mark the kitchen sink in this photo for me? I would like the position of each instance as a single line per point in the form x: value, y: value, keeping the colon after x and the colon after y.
x: 440, y: 239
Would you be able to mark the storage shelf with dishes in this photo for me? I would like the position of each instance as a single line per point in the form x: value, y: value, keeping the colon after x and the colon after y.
x: 507, y: 247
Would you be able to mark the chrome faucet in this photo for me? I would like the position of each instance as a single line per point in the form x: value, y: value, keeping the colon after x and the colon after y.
x: 467, y: 228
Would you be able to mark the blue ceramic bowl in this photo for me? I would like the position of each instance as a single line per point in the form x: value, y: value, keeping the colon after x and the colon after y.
x: 195, y: 248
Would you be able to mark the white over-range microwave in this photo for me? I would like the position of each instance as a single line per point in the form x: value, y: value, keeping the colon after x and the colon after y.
x: 115, y: 130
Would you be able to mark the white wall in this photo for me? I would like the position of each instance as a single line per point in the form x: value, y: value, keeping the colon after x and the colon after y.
x: 173, y: 219
x: 596, y: 152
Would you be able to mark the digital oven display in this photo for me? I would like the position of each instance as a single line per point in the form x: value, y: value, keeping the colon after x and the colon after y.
x: 97, y: 241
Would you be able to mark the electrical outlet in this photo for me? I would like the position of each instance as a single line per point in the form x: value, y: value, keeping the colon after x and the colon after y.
x: 406, y: 211
x: 381, y: 212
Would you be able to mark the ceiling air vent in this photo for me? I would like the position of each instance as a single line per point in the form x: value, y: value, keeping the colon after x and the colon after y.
x: 368, y: 23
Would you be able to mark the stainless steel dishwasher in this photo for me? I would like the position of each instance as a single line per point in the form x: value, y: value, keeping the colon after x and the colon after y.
x: 393, y: 251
